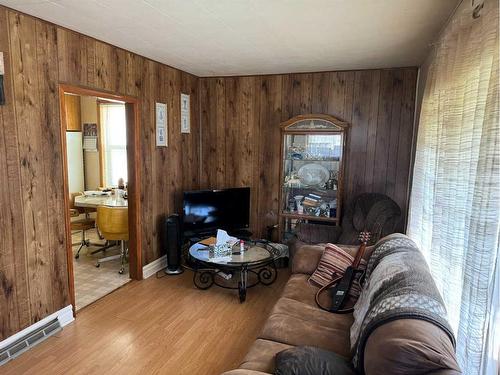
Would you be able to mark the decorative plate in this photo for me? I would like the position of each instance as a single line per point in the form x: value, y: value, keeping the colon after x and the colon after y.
x: 313, y: 174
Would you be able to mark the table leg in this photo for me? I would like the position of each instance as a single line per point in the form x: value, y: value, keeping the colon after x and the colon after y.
x: 268, y: 274
x: 203, y: 279
x: 242, y: 284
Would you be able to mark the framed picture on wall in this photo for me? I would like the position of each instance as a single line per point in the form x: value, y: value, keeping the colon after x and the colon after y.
x: 161, y: 125
x: 185, y: 114
x: 90, y: 136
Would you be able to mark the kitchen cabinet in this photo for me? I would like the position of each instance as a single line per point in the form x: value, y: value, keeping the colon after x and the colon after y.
x: 73, y: 113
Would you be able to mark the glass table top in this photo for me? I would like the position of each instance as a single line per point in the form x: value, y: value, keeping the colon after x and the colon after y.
x: 254, y: 253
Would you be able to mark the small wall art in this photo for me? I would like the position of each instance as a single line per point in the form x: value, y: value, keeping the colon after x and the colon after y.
x: 185, y: 114
x: 161, y: 125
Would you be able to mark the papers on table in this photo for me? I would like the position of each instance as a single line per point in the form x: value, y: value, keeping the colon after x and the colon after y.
x: 224, y: 238
x: 96, y: 193
x: 215, y: 249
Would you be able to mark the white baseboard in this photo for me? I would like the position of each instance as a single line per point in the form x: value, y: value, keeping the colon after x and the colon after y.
x: 156, y: 265
x: 65, y: 316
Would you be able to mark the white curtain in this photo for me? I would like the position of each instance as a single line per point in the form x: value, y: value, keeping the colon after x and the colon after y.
x: 455, y: 198
x: 114, y: 142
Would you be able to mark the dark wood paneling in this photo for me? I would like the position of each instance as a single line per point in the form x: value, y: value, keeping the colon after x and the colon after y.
x: 363, y: 120
x: 15, y: 311
x: 269, y: 95
x: 403, y: 163
x: 31, y: 156
x: 148, y: 98
x: 190, y: 143
x: 51, y: 148
x: 379, y: 105
x: 39, y: 56
x: 238, y: 118
x: 110, y: 63
x: 72, y: 52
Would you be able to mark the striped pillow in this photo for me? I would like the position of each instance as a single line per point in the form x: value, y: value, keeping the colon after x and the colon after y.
x: 335, y: 260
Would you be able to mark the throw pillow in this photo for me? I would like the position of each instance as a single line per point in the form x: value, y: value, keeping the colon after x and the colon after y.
x: 335, y: 261
x: 307, y: 360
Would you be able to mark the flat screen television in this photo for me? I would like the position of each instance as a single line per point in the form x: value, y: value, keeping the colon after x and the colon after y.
x: 208, y: 210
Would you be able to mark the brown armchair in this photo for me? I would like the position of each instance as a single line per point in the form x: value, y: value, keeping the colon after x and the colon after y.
x: 373, y: 212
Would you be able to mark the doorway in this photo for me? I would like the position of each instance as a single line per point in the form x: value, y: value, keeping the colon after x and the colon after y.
x: 100, y: 153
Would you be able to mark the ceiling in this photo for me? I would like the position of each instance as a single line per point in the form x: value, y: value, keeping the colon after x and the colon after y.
x: 239, y: 37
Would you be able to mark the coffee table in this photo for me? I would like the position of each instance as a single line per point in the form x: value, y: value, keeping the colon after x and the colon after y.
x: 257, y: 260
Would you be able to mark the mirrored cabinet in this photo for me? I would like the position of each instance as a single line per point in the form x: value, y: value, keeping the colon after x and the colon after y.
x: 312, y: 170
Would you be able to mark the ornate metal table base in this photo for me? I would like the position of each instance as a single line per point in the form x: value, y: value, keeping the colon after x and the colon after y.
x: 265, y: 273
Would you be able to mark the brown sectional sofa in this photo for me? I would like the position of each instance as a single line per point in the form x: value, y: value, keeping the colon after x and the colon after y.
x: 296, y: 320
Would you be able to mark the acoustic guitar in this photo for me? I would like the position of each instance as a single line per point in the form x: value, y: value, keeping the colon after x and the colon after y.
x: 340, y: 285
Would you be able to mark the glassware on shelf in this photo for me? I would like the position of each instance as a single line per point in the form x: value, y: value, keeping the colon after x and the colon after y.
x: 312, y: 152
x: 293, y: 180
x: 333, y: 208
x: 298, y: 203
x: 320, y: 151
x: 313, y: 174
x: 296, y: 151
x: 332, y: 183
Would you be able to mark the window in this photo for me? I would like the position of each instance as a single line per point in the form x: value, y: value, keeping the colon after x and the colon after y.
x: 455, y: 198
x: 114, y: 143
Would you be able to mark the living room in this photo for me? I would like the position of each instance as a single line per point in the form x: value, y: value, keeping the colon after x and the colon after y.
x: 280, y: 156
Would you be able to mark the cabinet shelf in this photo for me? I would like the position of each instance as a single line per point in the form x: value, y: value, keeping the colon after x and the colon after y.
x: 309, y: 217
x: 313, y: 160
x: 327, y: 192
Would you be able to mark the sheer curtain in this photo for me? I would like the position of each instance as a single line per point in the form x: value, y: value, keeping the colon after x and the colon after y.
x: 455, y: 198
x: 114, y: 139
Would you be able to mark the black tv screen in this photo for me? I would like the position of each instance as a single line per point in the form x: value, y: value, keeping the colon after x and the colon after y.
x: 207, y: 210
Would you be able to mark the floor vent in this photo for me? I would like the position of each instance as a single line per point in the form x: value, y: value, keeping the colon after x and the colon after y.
x: 31, y: 339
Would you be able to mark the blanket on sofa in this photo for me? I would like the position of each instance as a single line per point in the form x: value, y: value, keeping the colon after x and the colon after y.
x: 397, y: 285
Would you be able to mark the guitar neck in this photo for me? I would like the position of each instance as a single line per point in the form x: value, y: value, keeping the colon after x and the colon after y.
x: 359, y: 255
x: 364, y: 237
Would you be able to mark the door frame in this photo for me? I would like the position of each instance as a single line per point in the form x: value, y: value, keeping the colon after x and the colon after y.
x: 132, y: 113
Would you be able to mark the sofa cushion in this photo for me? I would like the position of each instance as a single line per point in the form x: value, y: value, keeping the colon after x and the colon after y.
x: 313, y: 314
x: 409, y: 346
x: 306, y: 258
x: 308, y: 360
x: 296, y: 323
x: 260, y: 357
x: 299, y: 289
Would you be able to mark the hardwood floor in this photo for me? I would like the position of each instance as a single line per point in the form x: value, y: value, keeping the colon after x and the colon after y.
x: 156, y: 326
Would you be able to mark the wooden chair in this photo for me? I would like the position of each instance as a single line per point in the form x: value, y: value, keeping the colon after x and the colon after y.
x: 82, y: 225
x: 113, y: 225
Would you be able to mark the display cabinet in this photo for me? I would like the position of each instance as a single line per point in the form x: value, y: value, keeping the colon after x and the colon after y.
x: 312, y: 171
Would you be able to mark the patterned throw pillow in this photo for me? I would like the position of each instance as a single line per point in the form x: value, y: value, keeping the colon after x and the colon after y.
x: 335, y: 260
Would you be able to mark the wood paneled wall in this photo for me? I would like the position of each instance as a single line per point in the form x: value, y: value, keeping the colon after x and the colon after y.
x: 38, y: 56
x: 240, y: 143
x: 240, y: 119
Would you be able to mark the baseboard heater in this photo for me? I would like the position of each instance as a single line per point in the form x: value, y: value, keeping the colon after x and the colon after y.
x: 29, y: 340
